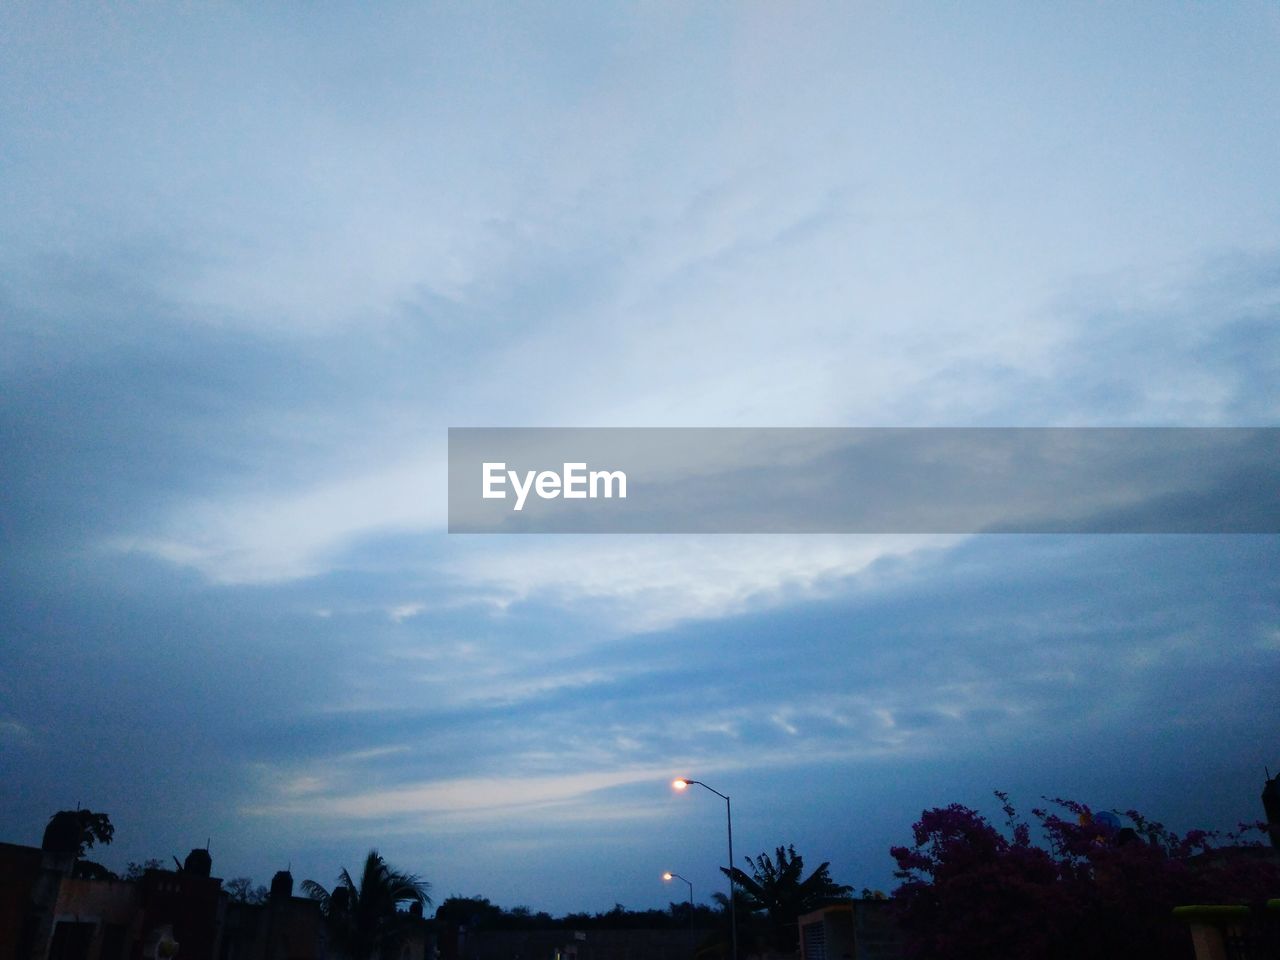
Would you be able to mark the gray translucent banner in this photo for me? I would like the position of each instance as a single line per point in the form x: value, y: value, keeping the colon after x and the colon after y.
x: 864, y: 480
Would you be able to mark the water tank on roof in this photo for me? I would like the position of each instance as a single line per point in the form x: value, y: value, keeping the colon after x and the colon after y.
x: 282, y: 885
x: 199, y: 863
x: 64, y: 832
x: 1271, y: 805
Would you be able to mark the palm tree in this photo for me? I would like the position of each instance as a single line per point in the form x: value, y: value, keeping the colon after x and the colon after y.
x: 362, y: 919
x: 775, y: 887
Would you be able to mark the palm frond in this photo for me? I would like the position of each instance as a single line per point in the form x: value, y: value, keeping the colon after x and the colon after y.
x: 317, y: 892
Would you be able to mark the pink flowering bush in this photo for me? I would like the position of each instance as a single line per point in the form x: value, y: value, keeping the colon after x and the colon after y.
x: 1093, y: 889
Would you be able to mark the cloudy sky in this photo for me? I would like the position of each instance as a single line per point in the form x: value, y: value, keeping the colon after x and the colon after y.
x: 256, y: 260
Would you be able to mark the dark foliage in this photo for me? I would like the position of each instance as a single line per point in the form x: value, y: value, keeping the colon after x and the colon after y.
x: 76, y: 831
x: 243, y: 890
x: 778, y: 888
x: 134, y: 870
x: 90, y: 870
x: 477, y: 913
x: 363, y: 919
x: 1097, y: 890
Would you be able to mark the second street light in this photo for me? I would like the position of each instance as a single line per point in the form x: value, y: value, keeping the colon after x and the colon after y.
x: 682, y: 783
x: 668, y: 876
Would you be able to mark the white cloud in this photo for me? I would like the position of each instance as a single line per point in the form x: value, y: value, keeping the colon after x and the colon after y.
x: 652, y: 582
x: 478, y: 797
x: 295, y: 534
x: 16, y: 733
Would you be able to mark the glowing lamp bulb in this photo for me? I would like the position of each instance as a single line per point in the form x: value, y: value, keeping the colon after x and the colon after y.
x: 680, y: 783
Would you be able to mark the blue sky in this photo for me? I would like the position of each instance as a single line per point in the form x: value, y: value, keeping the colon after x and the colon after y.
x: 256, y: 262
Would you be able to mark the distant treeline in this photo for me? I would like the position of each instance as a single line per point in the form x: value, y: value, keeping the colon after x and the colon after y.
x: 477, y: 913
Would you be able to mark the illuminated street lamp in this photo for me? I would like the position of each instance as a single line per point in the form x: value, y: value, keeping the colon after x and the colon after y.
x: 668, y: 876
x: 683, y: 783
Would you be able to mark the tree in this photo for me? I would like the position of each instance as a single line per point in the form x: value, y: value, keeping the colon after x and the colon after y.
x: 1097, y: 890
x: 471, y: 912
x: 775, y: 887
x: 363, y: 919
x: 242, y: 890
x: 135, y: 871
x: 76, y: 831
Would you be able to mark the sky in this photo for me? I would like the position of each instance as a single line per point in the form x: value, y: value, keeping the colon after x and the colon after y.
x: 257, y: 260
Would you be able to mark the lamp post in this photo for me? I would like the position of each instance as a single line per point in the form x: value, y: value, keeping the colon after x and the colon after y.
x: 668, y: 876
x: 681, y: 783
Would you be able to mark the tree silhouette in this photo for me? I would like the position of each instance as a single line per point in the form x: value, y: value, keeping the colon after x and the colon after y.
x: 76, y: 831
x: 363, y: 919
x: 135, y: 871
x: 242, y: 890
x: 775, y: 887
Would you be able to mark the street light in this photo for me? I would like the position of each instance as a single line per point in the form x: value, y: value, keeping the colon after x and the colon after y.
x: 668, y: 876
x: 683, y: 783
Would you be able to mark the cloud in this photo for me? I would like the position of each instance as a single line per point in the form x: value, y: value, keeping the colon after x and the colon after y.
x: 646, y: 583
x: 14, y: 733
x: 291, y: 491
x: 289, y: 536
x: 486, y: 798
